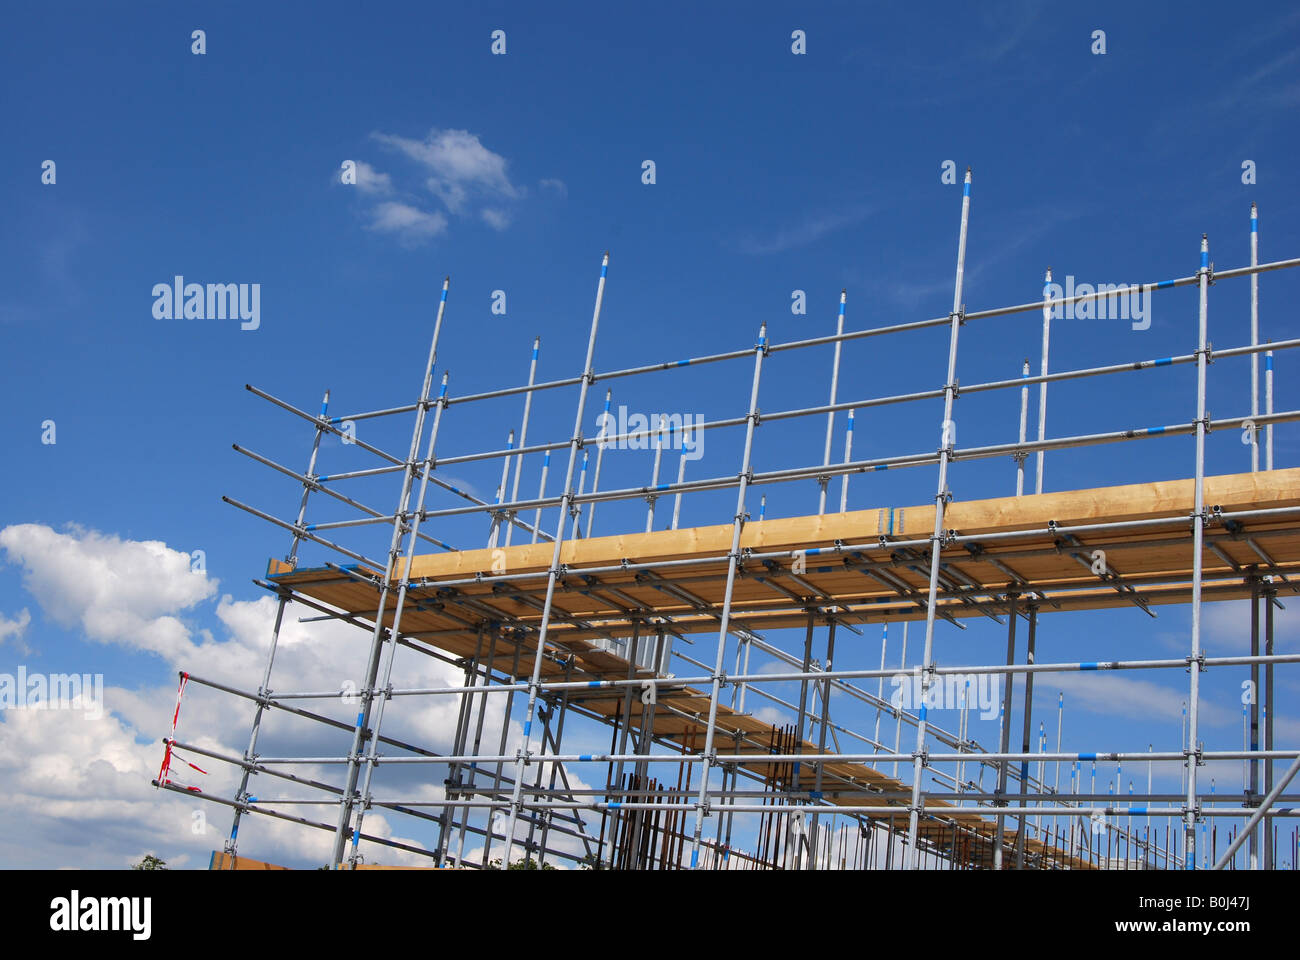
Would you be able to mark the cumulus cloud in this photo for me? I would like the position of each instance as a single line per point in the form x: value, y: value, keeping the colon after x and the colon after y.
x: 129, y: 592
x: 79, y: 784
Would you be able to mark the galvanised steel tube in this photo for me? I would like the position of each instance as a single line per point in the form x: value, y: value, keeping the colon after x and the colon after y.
x: 836, y: 675
x: 600, y: 460
x: 614, y: 438
x: 574, y: 444
x: 377, y: 637
x: 292, y: 558
x: 946, y: 443
x: 879, y: 331
x: 1042, y: 385
x: 1254, y: 336
x: 761, y: 759
x: 315, y: 484
x: 1198, y: 533
x: 864, y: 466
x: 523, y: 432
x: 372, y: 749
x: 1259, y: 814
x: 733, y: 558
x: 830, y: 417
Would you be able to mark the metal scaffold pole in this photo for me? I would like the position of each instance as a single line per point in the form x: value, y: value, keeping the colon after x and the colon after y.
x: 379, y: 635
x: 574, y: 444
x: 946, y: 444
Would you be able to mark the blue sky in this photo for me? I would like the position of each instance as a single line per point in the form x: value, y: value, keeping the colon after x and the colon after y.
x: 774, y: 173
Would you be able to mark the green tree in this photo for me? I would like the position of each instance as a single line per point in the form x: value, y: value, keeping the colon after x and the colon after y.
x: 150, y: 862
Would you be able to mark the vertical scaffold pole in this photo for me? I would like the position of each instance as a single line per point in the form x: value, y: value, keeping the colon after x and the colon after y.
x: 372, y: 749
x: 600, y: 457
x: 1254, y: 335
x: 1268, y: 409
x: 947, y: 442
x: 1042, y: 387
x: 498, y: 517
x: 1026, y: 730
x: 1004, y: 737
x: 1270, y: 706
x: 830, y: 416
x: 575, y: 442
x: 1198, y: 539
x: 738, y: 523
x: 848, y: 456
x: 1024, y: 426
x: 394, y: 551
x: 1252, y: 792
x: 523, y: 434
x: 292, y: 559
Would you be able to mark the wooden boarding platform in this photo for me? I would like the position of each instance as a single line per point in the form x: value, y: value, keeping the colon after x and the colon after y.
x: 862, y: 566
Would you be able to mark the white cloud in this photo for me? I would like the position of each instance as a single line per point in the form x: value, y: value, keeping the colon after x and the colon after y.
x: 15, y: 628
x: 79, y: 787
x: 467, y: 178
x: 555, y: 186
x: 370, y: 180
x: 458, y: 164
x: 408, y: 222
x: 117, y: 591
x: 496, y: 219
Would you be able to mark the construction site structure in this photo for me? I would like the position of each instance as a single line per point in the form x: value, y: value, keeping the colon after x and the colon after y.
x: 570, y: 633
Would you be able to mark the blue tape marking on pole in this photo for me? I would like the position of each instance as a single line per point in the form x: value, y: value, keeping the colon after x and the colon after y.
x: 814, y: 794
x: 921, y: 714
x: 584, y: 756
x: 881, y: 466
x: 1155, y: 429
x: 616, y: 803
x: 603, y: 268
x: 310, y: 526
x: 453, y: 488
x: 1024, y: 769
x: 1164, y: 284
x: 841, y: 308
x: 594, y: 683
x: 1089, y: 665
x: 356, y: 834
x: 1254, y: 225
x: 1268, y: 362
x: 546, y: 462
x: 813, y: 550
x: 965, y: 189
x: 528, y: 727
x: 663, y: 486
x: 1087, y: 756
x: 444, y: 295
x: 1165, y: 362
x: 683, y: 363
x: 695, y: 858
x: 891, y: 523
x: 1205, y: 258
x: 360, y: 717
x: 1137, y: 809
x: 252, y: 799
x: 322, y: 478
x: 796, y: 772
x: 323, y: 407
x: 234, y: 832
x: 534, y: 353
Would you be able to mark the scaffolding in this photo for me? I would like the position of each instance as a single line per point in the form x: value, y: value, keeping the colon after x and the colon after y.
x: 566, y: 629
